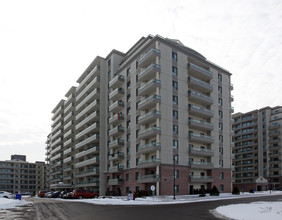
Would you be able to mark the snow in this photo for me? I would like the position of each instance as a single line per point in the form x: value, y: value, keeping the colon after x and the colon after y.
x: 11, y: 203
x: 256, y: 210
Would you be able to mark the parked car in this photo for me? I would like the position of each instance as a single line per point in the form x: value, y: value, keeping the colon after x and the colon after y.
x: 67, y: 195
x: 42, y: 193
x: 56, y: 194
x: 6, y: 195
x: 63, y: 193
x: 48, y: 194
x: 83, y: 193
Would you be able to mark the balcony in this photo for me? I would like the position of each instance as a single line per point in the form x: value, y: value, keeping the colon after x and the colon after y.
x: 116, y: 131
x: 200, y: 138
x: 115, y: 182
x: 68, y: 117
x: 93, y: 106
x: 149, y: 57
x: 201, y: 152
x: 149, y: 132
x: 149, y: 117
x: 199, y: 111
x: 148, y: 148
x: 116, y: 106
x: 116, y: 156
x: 116, y: 119
x: 92, y: 117
x: 67, y: 134
x: 55, y: 150
x: 90, y: 172
x: 201, y: 179
x: 199, y: 72
x: 68, y: 159
x: 149, y: 87
x: 94, y: 72
x: 274, y: 140
x: 116, y: 169
x: 56, y: 135
x: 275, y: 125
x: 117, y: 81
x: 93, y: 139
x: 153, y: 178
x: 200, y: 165
x: 199, y: 98
x: 149, y: 102
x: 274, y: 154
x: 116, y: 94
x: 93, y: 182
x: 93, y: 128
x: 68, y: 142
x: 199, y: 85
x: 274, y: 133
x: 59, y: 155
x: 69, y: 125
x: 88, y: 99
x: 69, y: 107
x: 149, y: 163
x: 199, y: 124
x: 91, y: 150
x: 93, y: 160
x: 116, y: 143
x: 67, y: 151
x: 149, y: 72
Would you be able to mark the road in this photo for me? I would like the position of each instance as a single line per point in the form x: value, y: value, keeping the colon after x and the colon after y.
x: 52, y: 209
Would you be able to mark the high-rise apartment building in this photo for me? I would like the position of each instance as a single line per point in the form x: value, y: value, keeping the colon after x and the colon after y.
x: 257, y: 149
x: 159, y: 114
x: 19, y: 176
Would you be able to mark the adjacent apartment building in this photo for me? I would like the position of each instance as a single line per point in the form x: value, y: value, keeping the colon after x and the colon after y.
x: 159, y: 114
x: 257, y: 149
x: 19, y: 176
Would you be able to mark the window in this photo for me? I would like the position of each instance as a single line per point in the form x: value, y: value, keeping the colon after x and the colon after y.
x: 220, y: 114
x: 220, y: 101
x: 175, y: 100
x: 127, y: 177
x: 128, y: 72
x: 127, y: 190
x: 220, y: 126
x: 174, y: 70
x: 109, y: 62
x: 176, y: 174
x: 137, y: 174
x: 219, y: 89
x: 221, y: 175
x: 109, y: 75
x: 220, y: 138
x: 174, y: 56
x: 175, y: 158
x: 174, y: 85
x: 175, y: 144
x: 221, y: 150
x: 137, y: 65
x: 219, y: 77
x: 221, y: 163
x: 175, y: 129
x: 221, y: 188
x: 203, y: 161
x: 175, y: 114
x: 176, y: 188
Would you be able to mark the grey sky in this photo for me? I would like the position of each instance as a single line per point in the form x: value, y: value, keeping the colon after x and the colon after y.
x: 46, y: 45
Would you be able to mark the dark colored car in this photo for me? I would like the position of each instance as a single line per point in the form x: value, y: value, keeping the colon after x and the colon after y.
x: 83, y: 193
x: 56, y: 194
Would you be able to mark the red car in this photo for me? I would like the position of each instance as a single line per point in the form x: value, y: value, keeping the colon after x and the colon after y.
x: 41, y: 193
x: 83, y: 193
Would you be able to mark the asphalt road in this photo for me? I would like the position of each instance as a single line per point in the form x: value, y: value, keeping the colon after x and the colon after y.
x: 51, y: 209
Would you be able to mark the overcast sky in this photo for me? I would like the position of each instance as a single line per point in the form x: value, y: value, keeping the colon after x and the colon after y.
x: 46, y: 45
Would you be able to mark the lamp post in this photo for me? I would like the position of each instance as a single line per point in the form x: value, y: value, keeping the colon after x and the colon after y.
x: 173, y: 176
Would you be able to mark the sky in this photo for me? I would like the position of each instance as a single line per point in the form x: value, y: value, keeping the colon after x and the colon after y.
x: 46, y: 45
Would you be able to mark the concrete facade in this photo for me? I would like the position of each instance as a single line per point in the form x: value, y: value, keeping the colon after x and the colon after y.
x: 257, y: 148
x: 19, y: 176
x: 159, y: 103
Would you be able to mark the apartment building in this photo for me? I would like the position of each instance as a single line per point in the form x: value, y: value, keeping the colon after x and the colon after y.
x: 159, y: 114
x: 257, y: 149
x: 19, y: 176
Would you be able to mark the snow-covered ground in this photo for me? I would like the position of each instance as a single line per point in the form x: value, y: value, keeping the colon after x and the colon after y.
x: 257, y: 210
x: 11, y: 203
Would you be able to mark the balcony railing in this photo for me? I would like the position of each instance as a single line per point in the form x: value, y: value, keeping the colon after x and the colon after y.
x: 149, y: 163
x: 199, y: 72
x: 201, y: 179
x: 149, y: 132
x: 149, y: 102
x: 147, y: 73
x: 152, y: 178
x: 148, y: 148
x: 200, y: 138
x: 199, y: 98
x: 195, y: 123
x: 149, y: 87
x: 149, y: 57
x: 199, y: 84
x: 200, y: 111
x: 149, y: 117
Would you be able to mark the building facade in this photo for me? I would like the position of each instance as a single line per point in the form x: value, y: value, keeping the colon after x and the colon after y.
x: 19, y: 176
x: 257, y: 149
x: 159, y: 114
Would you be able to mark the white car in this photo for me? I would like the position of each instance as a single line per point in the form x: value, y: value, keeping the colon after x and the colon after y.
x: 7, y: 195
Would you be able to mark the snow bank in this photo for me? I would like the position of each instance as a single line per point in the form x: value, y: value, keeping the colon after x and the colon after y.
x: 11, y: 203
